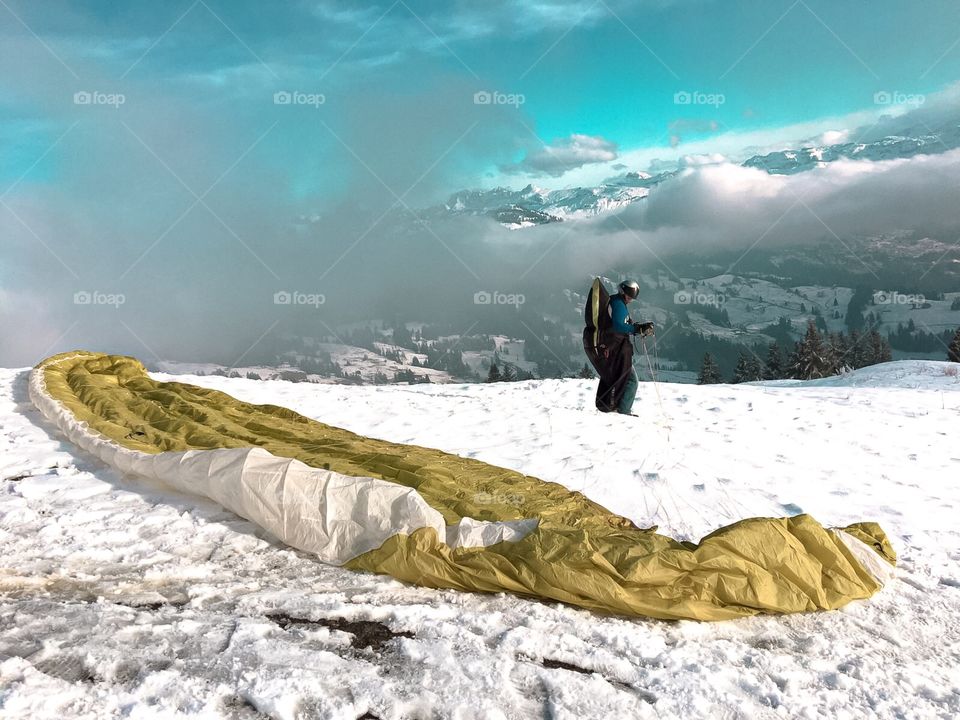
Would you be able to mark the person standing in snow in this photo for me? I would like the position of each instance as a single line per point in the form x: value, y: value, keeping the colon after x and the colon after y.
x: 614, y: 361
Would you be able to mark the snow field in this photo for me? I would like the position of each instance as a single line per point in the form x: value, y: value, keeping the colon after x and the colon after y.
x: 122, y: 599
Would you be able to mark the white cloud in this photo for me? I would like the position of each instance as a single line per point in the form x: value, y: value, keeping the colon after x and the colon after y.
x: 566, y: 154
x: 731, y: 206
x: 833, y: 137
x: 699, y: 160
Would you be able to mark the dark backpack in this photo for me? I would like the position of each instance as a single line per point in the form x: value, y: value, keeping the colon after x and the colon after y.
x: 596, y: 316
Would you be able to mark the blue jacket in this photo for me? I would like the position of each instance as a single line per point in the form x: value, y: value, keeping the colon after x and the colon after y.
x: 620, y: 321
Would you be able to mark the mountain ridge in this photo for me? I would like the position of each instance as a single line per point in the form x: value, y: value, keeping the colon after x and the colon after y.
x: 532, y: 205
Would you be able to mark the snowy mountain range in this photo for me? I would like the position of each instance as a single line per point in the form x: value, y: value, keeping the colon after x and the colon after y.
x: 536, y: 206
x: 533, y: 206
x: 926, y: 142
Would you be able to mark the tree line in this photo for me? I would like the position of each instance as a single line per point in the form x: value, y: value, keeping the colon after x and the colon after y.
x: 815, y: 355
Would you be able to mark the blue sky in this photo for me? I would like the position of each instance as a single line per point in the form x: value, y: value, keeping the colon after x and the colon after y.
x: 607, y: 70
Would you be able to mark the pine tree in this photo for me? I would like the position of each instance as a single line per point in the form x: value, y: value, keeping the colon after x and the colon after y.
x: 839, y: 353
x: 741, y: 373
x: 709, y: 372
x: 774, y: 369
x: 855, y: 351
x: 585, y: 372
x: 509, y: 373
x: 401, y: 336
x: 755, y: 367
x: 879, y: 348
x: 809, y: 358
x: 953, y: 353
x: 494, y: 374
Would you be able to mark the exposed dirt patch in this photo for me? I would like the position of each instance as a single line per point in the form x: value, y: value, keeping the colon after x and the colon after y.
x: 560, y: 665
x: 366, y: 633
x: 645, y: 695
x: 71, y: 668
x: 149, y: 606
x: 237, y: 707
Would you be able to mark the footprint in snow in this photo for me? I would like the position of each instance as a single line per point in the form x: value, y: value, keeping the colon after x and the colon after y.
x: 792, y: 509
x: 648, y: 477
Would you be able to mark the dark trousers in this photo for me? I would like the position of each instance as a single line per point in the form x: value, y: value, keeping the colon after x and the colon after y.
x: 617, y: 388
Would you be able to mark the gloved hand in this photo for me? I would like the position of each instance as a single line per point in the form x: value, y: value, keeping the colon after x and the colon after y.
x: 644, y: 329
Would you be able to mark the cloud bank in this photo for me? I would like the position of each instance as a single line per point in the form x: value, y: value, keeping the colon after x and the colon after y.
x: 200, y: 198
x: 565, y: 154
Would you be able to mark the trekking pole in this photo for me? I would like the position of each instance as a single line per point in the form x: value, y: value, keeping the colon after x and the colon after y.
x: 656, y: 386
x: 656, y: 354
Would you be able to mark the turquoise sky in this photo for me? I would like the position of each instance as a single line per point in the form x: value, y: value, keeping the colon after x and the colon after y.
x: 605, y: 69
x: 199, y: 155
x: 776, y: 63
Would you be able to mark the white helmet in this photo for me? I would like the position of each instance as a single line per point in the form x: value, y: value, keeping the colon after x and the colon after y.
x: 630, y: 289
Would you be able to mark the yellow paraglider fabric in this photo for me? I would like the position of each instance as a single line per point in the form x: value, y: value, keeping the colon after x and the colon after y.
x: 579, y: 552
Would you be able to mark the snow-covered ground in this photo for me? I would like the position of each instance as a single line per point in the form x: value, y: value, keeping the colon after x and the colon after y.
x: 122, y: 600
